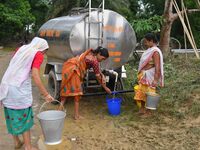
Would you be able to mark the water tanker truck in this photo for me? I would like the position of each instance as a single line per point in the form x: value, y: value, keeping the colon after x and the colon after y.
x: 71, y: 35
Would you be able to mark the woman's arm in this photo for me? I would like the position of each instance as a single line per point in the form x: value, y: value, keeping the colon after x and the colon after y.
x: 99, y: 76
x: 102, y: 82
x: 39, y: 84
x: 156, y: 59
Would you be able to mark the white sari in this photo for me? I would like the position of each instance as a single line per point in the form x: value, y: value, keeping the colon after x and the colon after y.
x: 16, y: 82
x: 148, y: 75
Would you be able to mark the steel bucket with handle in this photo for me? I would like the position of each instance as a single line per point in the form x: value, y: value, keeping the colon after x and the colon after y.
x: 152, y: 100
x: 52, y: 123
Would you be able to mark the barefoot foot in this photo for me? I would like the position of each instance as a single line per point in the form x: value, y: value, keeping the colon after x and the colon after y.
x: 19, y: 145
x: 147, y: 114
x: 142, y: 111
x: 78, y: 117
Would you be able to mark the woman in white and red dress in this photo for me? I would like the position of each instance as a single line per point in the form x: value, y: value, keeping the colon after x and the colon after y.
x: 16, y: 90
x: 150, y: 73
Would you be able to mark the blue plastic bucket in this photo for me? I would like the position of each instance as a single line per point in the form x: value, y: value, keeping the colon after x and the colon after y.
x: 114, y: 106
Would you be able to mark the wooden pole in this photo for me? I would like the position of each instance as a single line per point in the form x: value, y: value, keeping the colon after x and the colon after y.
x: 198, y: 2
x: 190, y: 30
x: 185, y: 28
x: 185, y: 41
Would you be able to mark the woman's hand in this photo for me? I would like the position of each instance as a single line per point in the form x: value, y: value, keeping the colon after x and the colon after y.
x: 39, y: 84
x: 154, y: 83
x: 48, y: 98
x: 102, y: 80
x: 107, y: 90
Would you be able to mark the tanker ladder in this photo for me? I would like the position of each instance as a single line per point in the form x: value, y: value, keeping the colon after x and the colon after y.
x: 99, y: 23
x: 93, y: 83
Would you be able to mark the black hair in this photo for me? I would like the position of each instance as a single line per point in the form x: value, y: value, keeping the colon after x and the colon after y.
x: 151, y: 36
x: 102, y: 51
x: 23, y: 42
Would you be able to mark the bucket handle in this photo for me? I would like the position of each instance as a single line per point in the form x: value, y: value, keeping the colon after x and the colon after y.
x: 50, y: 102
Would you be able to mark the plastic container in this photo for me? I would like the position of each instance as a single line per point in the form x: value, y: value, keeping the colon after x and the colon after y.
x: 114, y: 106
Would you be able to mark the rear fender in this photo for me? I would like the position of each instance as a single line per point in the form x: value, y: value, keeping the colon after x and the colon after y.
x: 56, y: 67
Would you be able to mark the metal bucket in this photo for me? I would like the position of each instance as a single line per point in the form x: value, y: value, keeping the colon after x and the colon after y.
x: 52, y: 123
x: 152, y: 100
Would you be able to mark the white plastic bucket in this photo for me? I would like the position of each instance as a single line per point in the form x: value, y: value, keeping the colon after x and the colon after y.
x: 52, y: 123
x: 152, y: 100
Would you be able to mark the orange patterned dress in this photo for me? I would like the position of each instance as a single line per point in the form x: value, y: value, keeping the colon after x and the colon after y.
x: 73, y: 73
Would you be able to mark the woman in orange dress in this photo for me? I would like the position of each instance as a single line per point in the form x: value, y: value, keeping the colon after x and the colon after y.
x: 150, y: 73
x: 73, y: 73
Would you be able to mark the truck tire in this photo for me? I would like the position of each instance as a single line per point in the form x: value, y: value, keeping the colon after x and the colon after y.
x: 53, y: 85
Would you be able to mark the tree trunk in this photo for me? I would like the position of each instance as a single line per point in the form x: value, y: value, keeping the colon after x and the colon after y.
x: 165, y: 38
x: 169, y: 18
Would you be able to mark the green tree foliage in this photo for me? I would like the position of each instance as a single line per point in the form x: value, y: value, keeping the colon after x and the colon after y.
x: 120, y: 6
x: 149, y: 18
x: 127, y: 8
x: 142, y: 26
x: 151, y: 7
x: 144, y: 15
x: 39, y: 9
x: 61, y: 7
x: 14, y: 18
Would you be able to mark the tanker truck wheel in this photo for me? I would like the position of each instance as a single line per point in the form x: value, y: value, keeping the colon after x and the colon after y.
x: 54, y: 86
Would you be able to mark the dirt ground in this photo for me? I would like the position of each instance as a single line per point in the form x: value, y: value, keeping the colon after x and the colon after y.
x: 100, y: 131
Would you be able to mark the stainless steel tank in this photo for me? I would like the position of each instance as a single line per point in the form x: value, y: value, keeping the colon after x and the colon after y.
x: 71, y: 35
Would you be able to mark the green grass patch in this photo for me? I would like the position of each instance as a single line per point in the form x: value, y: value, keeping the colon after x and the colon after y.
x: 8, y: 49
x: 182, y: 82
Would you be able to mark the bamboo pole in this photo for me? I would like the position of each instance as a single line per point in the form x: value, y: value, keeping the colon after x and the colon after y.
x: 185, y: 28
x: 185, y: 41
x: 198, y: 2
x: 190, y: 30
